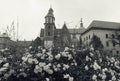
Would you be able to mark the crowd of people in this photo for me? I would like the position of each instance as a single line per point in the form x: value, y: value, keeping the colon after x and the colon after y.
x: 55, y: 65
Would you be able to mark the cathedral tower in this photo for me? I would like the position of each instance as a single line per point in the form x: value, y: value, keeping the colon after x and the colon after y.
x: 49, y: 29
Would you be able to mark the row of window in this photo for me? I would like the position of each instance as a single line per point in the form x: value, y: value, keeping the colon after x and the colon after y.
x: 113, y: 36
x: 88, y: 37
x: 107, y: 44
x: 117, y: 52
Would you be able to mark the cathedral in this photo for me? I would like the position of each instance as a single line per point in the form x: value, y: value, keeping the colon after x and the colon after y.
x: 51, y: 36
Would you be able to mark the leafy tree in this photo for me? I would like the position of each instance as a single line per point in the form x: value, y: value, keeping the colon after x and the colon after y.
x: 96, y: 42
x: 36, y: 42
x: 115, y: 38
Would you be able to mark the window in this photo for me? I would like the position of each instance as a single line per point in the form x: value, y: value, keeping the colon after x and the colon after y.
x: 110, y: 51
x: 117, y: 52
x: 86, y: 38
x: 113, y: 36
x: 48, y: 27
x: 89, y: 36
x: 106, y: 35
x: 48, y: 33
x: 113, y: 44
x: 107, y: 43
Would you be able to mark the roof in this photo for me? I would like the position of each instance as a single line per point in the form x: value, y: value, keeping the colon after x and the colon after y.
x: 50, y: 13
x: 24, y: 43
x: 80, y: 30
x: 104, y: 24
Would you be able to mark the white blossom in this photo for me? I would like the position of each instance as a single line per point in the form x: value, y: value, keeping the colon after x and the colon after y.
x: 94, y: 77
x: 6, y: 65
x: 91, y: 54
x: 103, y: 76
x: 113, y: 78
x: 57, y: 57
x: 71, y: 78
x: 66, y: 75
x: 96, y: 66
x: 58, y: 65
x: 66, y: 66
x: 47, y: 79
x: 41, y: 64
x: 44, y: 51
x: 70, y: 57
x: 86, y: 67
x: 66, y: 49
x: 88, y: 58
x: 30, y: 60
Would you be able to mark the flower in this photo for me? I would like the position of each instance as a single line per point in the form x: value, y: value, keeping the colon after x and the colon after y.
x: 96, y: 66
x: 86, y: 67
x: 71, y: 78
x: 113, y: 78
x: 66, y: 49
x: 58, y: 65
x: 103, y: 76
x: 91, y: 54
x: 94, y: 77
x: 50, y: 58
x: 44, y: 51
x: 41, y: 64
x: 57, y: 57
x: 88, y: 58
x: 66, y: 66
x: 30, y: 60
x: 66, y: 76
x: 70, y: 57
x: 47, y: 79
x: 6, y: 65
x: 39, y: 54
x: 50, y: 71
x: 35, y: 60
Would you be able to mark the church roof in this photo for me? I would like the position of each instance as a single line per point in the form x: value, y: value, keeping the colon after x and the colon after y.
x: 80, y: 30
x: 50, y: 13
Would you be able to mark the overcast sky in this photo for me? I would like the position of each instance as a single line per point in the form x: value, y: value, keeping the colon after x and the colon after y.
x: 31, y: 13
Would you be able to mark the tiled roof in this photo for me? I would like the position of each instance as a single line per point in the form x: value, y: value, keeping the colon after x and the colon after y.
x: 80, y: 30
x: 104, y: 24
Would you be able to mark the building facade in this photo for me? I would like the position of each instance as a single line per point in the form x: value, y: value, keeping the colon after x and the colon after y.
x: 107, y: 32
x: 5, y: 41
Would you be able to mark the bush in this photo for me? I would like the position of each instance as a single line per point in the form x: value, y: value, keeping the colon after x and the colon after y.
x: 68, y: 65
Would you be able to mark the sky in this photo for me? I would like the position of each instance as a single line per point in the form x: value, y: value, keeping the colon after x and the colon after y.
x: 30, y: 14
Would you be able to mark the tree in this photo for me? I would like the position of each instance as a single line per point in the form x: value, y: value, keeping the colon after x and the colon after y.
x: 115, y: 38
x: 37, y: 42
x: 96, y: 42
x: 80, y: 43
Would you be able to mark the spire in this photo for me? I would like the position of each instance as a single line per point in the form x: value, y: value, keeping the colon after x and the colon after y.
x: 50, y: 5
x: 81, y: 23
x: 50, y: 12
x: 64, y: 26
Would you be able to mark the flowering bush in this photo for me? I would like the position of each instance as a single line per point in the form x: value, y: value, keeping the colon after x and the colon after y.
x: 68, y: 65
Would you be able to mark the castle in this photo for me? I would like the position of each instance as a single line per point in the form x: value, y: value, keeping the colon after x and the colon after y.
x: 106, y: 31
x: 52, y: 36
